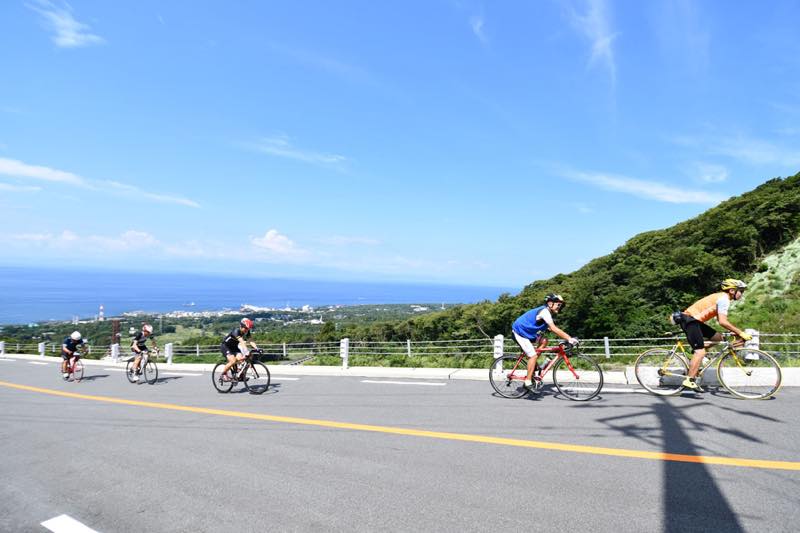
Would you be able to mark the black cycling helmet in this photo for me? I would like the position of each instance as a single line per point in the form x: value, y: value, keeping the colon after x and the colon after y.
x: 553, y: 297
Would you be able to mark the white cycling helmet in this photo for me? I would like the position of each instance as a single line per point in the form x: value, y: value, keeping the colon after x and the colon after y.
x: 76, y: 336
x: 148, y: 328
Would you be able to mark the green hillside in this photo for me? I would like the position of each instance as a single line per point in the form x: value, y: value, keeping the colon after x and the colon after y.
x: 631, y: 291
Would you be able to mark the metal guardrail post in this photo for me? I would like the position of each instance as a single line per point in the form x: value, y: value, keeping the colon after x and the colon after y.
x: 42, y: 348
x: 607, y: 346
x: 498, y: 346
x: 344, y: 352
x: 168, y: 352
x: 755, y: 341
x: 285, y: 352
x: 115, y: 352
x: 197, y: 349
x: 408, y: 347
x: 2, y: 348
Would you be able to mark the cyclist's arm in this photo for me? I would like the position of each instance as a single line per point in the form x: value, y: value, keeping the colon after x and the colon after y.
x: 64, y: 348
x: 253, y: 344
x: 725, y: 323
x: 560, y: 332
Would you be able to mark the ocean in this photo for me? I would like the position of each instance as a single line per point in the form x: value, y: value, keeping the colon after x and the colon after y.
x: 38, y: 294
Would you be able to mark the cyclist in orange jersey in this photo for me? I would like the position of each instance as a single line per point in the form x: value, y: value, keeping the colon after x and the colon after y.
x: 693, y: 323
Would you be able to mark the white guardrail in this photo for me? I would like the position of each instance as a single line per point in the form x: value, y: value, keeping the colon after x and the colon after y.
x: 781, y: 345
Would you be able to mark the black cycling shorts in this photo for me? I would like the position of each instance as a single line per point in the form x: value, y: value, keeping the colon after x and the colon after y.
x: 65, y: 356
x: 697, y: 332
x: 227, y: 350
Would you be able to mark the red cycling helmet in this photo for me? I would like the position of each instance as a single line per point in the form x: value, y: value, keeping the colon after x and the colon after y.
x: 246, y: 322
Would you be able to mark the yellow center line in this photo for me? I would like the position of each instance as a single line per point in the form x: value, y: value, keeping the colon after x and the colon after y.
x: 575, y: 448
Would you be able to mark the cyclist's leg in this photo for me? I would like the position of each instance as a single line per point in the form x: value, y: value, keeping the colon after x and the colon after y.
x: 700, y: 332
x: 64, y: 363
x: 530, y: 351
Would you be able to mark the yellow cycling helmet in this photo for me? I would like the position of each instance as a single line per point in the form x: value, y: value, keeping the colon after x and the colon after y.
x: 731, y: 283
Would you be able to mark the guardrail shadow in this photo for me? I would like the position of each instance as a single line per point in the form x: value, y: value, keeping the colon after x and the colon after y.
x: 93, y: 377
x: 691, y: 498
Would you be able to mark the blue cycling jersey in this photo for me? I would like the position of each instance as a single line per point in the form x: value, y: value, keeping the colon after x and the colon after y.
x: 527, y: 326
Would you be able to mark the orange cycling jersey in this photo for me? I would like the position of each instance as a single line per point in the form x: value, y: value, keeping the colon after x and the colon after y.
x: 705, y: 309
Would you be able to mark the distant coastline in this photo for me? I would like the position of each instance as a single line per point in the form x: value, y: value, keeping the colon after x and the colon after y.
x: 40, y: 294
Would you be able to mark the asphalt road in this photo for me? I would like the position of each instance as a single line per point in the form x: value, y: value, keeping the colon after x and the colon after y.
x: 417, y: 456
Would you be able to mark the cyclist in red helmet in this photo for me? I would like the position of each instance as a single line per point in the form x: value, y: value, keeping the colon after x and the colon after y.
x: 231, y: 344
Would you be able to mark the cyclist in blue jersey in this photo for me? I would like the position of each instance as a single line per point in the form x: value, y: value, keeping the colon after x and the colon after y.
x: 530, y: 328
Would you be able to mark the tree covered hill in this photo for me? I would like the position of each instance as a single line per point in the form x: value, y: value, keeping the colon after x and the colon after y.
x: 631, y: 291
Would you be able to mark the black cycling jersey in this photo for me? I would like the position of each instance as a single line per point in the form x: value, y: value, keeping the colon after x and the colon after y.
x: 231, y: 341
x: 140, y: 341
x: 71, y: 344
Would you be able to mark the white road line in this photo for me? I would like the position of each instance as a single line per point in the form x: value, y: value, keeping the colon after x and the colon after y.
x: 179, y: 374
x: 281, y: 378
x: 115, y: 369
x: 608, y: 389
x: 4, y: 359
x: 36, y: 363
x: 66, y: 524
x: 405, y: 383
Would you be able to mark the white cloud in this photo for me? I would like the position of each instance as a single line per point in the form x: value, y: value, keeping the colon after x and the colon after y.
x: 709, y: 173
x: 114, y: 186
x: 743, y: 148
x: 67, y: 32
x: 644, y: 189
x: 18, y: 169
x: 595, y: 25
x: 278, y: 244
x: 280, y: 145
x: 7, y: 187
x: 129, y: 240
x: 476, y: 23
x: 12, y: 167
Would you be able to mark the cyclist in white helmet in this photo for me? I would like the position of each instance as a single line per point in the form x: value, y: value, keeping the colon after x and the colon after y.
x: 69, y: 348
x: 139, y: 346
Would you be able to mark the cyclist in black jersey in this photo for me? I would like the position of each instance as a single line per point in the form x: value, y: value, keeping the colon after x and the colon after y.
x: 139, y: 346
x: 69, y: 348
x: 230, y: 346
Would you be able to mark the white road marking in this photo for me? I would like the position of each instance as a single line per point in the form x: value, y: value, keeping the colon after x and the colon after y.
x: 179, y: 374
x: 405, y: 383
x: 115, y: 369
x: 285, y: 379
x: 66, y: 524
x: 37, y: 363
x: 4, y: 359
x: 607, y: 389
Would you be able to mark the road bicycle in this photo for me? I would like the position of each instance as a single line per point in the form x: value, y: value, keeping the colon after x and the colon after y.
x: 575, y: 375
x: 147, y: 367
x: 746, y: 373
x: 252, y: 373
x: 74, y: 368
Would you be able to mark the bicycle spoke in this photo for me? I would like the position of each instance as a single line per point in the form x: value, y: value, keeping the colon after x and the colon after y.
x: 507, y: 376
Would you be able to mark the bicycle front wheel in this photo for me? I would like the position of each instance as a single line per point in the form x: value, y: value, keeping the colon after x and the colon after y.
x: 256, y: 378
x: 749, y: 374
x: 223, y: 383
x: 580, y: 383
x: 77, y: 370
x: 507, y: 376
x: 129, y: 371
x: 661, y: 371
x: 150, y: 372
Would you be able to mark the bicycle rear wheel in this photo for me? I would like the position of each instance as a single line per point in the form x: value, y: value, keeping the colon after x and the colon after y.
x: 749, y: 374
x: 222, y: 383
x: 661, y: 371
x: 150, y: 372
x: 507, y: 376
x: 256, y: 378
x: 77, y: 370
x: 581, y: 383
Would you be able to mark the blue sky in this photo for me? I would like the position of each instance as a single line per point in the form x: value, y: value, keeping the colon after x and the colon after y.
x: 444, y: 141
